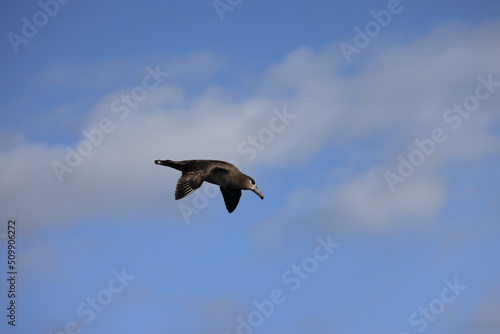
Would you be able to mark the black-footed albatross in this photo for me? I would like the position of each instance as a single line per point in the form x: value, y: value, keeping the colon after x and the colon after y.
x: 222, y: 173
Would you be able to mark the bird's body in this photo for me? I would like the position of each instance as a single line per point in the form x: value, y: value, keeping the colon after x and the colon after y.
x: 222, y: 173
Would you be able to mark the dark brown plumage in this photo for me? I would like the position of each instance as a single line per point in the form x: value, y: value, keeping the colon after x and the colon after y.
x: 222, y: 173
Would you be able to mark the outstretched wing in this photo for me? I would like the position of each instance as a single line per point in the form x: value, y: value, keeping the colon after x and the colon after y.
x: 231, y: 198
x: 187, y: 183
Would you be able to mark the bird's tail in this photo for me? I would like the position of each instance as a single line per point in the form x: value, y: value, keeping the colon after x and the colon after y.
x: 179, y: 165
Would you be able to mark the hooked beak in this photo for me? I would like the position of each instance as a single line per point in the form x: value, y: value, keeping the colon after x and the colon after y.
x: 256, y: 190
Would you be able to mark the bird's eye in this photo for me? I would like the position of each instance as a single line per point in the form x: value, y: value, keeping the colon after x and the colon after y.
x: 253, y: 182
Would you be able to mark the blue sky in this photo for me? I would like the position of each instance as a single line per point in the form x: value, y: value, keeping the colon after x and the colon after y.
x: 379, y: 167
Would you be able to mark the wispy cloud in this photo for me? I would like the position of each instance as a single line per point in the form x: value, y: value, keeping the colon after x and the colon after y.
x: 399, y: 94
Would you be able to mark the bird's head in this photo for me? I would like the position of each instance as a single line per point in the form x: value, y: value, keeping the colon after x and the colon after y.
x: 250, y: 185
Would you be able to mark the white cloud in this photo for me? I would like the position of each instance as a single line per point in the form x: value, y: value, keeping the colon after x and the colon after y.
x: 368, y: 201
x: 400, y: 96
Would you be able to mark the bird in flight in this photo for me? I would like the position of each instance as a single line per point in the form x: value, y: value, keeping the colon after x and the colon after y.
x: 222, y: 173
